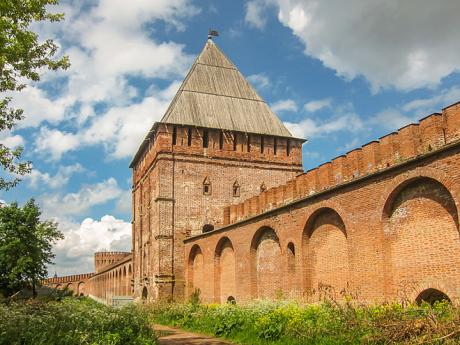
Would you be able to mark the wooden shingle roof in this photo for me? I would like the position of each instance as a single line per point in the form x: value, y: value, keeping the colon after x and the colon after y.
x: 216, y: 95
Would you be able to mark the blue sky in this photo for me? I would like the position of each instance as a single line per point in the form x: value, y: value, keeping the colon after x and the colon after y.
x: 339, y: 76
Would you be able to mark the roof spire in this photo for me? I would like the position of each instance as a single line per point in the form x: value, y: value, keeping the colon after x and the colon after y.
x: 212, y: 33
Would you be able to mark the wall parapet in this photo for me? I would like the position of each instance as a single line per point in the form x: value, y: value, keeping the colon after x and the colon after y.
x: 68, y: 279
x: 417, y: 139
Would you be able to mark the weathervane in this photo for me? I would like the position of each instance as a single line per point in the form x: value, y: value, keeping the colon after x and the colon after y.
x: 212, y: 33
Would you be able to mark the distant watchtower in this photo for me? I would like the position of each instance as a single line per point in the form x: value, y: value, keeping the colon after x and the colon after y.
x: 217, y: 144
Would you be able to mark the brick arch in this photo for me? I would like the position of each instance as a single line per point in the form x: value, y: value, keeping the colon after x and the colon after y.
x: 81, y: 289
x: 420, y: 232
x: 398, y: 182
x: 266, y: 271
x: 196, y: 272
x: 70, y: 287
x: 224, y: 270
x: 325, y: 253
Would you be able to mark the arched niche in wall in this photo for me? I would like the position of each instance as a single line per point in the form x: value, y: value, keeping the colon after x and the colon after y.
x: 224, y: 271
x: 325, y: 254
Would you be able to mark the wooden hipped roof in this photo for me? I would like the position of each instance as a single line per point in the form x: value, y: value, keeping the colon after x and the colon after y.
x: 216, y: 95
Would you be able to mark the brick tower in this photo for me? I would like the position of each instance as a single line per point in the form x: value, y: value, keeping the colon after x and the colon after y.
x: 217, y: 144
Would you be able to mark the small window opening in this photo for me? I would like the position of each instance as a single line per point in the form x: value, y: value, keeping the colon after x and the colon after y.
x: 288, y: 147
x: 205, y: 139
x: 174, y: 135
x: 189, y: 137
x: 249, y: 143
x: 236, y: 189
x: 221, y: 140
x: 263, y: 187
x: 275, y: 144
x: 208, y: 227
x: 262, y: 144
x: 206, y: 186
x: 235, y: 141
x: 231, y: 300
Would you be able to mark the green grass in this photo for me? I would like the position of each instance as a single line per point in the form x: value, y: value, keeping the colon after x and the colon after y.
x: 73, y: 321
x: 290, y: 323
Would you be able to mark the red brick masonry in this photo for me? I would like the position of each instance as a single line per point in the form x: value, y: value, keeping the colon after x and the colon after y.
x: 379, y: 223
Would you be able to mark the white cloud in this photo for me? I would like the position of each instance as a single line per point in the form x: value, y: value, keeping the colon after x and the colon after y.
x: 61, y: 206
x: 435, y: 103
x: 316, y: 105
x: 74, y: 254
x: 53, y: 143
x: 391, y: 44
x: 11, y: 140
x: 255, y: 13
x: 36, y: 178
x: 284, y: 105
x: 260, y: 81
x: 309, y: 128
x: 108, y: 42
x: 124, y: 202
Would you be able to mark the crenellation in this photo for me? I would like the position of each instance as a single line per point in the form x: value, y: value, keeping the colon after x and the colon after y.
x: 431, y: 132
x: 452, y: 122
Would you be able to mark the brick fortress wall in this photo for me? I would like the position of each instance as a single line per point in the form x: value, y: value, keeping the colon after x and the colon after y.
x: 378, y: 223
x: 180, y: 186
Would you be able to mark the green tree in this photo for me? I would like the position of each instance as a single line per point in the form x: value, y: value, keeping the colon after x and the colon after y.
x: 22, y: 58
x: 25, y: 246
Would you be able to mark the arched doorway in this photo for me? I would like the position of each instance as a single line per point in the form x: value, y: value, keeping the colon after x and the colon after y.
x: 431, y: 296
x: 144, y: 293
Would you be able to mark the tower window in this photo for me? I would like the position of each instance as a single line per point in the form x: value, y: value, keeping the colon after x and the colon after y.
x: 236, y: 189
x: 189, y: 137
x: 205, y: 139
x: 208, y: 228
x: 206, y: 186
x: 263, y: 187
x: 221, y: 140
x: 288, y: 147
x: 275, y: 144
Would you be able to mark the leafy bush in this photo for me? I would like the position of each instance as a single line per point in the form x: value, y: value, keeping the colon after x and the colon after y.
x: 281, y: 322
x: 73, y: 321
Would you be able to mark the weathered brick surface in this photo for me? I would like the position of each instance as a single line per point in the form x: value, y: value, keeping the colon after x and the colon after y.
x: 379, y: 223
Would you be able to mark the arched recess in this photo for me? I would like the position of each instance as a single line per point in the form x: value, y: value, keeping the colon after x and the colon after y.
x: 70, y: 287
x: 196, y: 277
x: 266, y: 271
x: 290, y: 275
x: 224, y: 271
x: 81, y: 289
x: 421, y: 238
x: 431, y: 296
x: 325, y: 252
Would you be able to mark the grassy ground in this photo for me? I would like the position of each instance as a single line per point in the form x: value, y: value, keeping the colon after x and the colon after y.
x: 73, y: 321
x: 290, y: 323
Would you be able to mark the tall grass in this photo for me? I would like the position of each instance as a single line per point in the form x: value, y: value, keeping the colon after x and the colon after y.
x: 73, y: 321
x: 290, y: 323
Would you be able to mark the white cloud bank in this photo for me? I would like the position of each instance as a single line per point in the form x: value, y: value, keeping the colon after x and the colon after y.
x: 108, y: 43
x: 406, y: 45
x: 75, y: 252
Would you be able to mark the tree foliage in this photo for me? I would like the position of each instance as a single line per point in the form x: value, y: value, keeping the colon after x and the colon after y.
x: 25, y: 246
x: 22, y: 58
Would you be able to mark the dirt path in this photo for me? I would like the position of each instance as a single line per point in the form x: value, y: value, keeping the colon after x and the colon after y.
x: 173, y: 336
